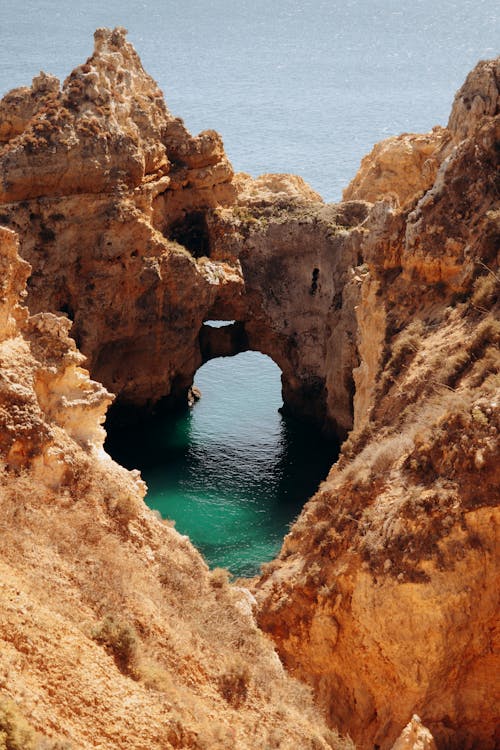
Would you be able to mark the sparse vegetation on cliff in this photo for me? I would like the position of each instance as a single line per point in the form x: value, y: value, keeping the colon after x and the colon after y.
x: 385, y: 321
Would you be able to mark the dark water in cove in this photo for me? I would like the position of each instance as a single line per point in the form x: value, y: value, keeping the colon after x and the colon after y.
x: 232, y: 471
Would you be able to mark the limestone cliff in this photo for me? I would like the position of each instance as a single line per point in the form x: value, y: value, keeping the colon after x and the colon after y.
x: 382, y: 312
x: 91, y: 176
x: 385, y: 594
x: 138, y: 232
x: 113, y: 633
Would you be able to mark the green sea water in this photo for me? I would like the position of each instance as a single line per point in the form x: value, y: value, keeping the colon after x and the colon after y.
x: 232, y: 471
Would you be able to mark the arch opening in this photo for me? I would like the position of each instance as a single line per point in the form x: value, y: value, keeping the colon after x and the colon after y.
x: 222, y: 338
x: 233, y: 471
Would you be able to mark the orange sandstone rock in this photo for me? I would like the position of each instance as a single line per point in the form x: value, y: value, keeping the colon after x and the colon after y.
x: 113, y: 633
x: 399, y: 168
x: 385, y: 594
x: 414, y: 737
x: 384, y: 320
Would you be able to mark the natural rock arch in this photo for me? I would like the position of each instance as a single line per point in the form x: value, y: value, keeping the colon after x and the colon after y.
x: 153, y: 235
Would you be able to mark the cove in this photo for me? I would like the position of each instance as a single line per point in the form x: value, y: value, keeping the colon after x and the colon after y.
x: 232, y: 471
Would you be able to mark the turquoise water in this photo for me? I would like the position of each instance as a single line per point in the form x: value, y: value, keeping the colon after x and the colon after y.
x: 232, y: 471
x: 302, y: 86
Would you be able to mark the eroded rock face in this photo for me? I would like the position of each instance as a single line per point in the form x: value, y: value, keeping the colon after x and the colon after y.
x: 415, y: 737
x: 382, y: 313
x: 476, y: 101
x: 103, y: 606
x: 106, y: 128
x: 138, y: 233
x: 400, y: 167
x: 44, y: 388
x: 298, y: 263
x: 384, y: 594
x: 90, y: 174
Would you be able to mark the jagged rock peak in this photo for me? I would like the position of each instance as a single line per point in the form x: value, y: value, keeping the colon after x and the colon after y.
x: 107, y: 127
x: 114, y: 76
x: 415, y: 737
x: 479, y: 97
x: 105, y: 38
x: 401, y: 167
x: 45, y: 83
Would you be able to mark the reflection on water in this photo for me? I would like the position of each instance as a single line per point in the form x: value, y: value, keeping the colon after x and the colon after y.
x: 232, y: 471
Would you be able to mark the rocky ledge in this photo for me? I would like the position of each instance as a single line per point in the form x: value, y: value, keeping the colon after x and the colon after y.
x: 382, y: 312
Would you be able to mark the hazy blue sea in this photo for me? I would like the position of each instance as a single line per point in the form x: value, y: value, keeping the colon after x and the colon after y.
x: 292, y: 86
x: 304, y: 86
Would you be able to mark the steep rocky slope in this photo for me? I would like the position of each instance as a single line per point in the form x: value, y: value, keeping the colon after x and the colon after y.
x: 385, y: 594
x: 113, y: 633
x: 382, y: 312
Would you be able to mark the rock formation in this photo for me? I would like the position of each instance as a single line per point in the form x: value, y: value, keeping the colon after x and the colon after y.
x: 113, y: 633
x: 382, y: 312
x: 415, y: 737
x: 108, y: 191
x: 385, y: 594
x: 91, y: 175
x: 400, y: 167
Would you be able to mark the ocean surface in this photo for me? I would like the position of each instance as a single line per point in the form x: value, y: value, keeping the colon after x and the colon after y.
x: 293, y: 86
x: 302, y: 86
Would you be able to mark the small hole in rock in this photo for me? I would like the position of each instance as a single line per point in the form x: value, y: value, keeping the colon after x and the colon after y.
x: 192, y: 232
x: 314, y: 282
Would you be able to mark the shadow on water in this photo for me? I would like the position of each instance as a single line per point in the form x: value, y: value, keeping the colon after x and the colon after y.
x: 233, y: 472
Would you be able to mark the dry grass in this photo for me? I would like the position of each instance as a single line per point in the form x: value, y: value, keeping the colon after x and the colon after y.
x: 140, y: 591
x: 118, y: 638
x: 16, y: 733
x: 219, y: 578
x: 404, y: 347
x: 485, y: 291
x: 234, y: 681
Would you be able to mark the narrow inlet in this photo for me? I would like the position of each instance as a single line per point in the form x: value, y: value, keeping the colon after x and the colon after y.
x: 232, y: 471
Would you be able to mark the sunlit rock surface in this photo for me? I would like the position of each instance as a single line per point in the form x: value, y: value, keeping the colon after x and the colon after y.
x: 384, y: 596
x: 382, y: 312
x: 103, y: 606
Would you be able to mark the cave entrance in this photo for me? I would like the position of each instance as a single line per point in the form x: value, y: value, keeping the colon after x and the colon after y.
x: 191, y: 231
x: 233, y: 471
